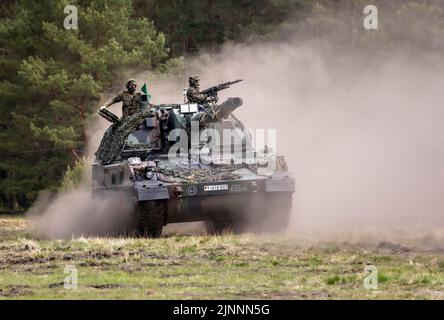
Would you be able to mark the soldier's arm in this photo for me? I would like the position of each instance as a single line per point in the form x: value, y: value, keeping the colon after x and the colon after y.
x: 194, y: 95
x: 201, y: 97
x: 116, y: 99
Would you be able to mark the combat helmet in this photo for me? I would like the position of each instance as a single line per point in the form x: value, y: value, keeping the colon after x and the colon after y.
x: 193, y: 80
x: 131, y: 85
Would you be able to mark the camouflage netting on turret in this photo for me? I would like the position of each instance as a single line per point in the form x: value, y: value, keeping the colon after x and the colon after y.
x: 114, y: 138
x: 188, y: 175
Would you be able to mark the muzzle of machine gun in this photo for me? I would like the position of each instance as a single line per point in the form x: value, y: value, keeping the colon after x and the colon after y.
x: 108, y: 115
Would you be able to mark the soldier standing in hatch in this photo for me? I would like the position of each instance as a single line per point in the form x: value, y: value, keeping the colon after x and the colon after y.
x: 130, y: 99
x: 193, y: 92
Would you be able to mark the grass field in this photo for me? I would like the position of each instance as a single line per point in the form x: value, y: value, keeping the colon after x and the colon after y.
x: 210, y: 267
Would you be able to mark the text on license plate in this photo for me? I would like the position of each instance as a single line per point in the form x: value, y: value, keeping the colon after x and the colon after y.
x: 216, y: 187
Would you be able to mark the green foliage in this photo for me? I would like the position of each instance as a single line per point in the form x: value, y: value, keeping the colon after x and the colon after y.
x: 52, y: 79
x: 191, y: 25
x: 171, y: 67
x: 338, y: 280
x: 332, y: 280
x: 383, y: 278
x: 75, y: 175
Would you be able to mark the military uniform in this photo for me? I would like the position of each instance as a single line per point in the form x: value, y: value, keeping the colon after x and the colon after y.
x: 193, y: 92
x: 131, y: 102
x: 194, y: 96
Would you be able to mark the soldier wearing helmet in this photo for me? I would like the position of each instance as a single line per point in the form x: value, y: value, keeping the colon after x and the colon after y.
x: 130, y: 99
x: 193, y: 92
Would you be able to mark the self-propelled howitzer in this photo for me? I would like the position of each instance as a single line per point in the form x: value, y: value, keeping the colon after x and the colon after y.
x: 150, y: 156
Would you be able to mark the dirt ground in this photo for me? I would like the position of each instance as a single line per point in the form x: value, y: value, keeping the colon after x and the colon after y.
x: 210, y: 267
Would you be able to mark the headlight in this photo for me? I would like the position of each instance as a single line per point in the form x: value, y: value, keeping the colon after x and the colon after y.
x: 150, y: 175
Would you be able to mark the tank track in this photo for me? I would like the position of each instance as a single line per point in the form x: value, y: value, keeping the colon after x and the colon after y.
x: 273, y: 217
x: 227, y: 226
x: 277, y: 213
x: 151, y: 217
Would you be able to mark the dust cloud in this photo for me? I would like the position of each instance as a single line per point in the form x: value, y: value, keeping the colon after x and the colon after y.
x: 361, y: 129
x: 80, y: 213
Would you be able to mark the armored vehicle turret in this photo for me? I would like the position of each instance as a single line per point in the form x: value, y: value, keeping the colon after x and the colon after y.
x: 190, y: 162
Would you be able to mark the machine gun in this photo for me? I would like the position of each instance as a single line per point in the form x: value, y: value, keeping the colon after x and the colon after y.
x: 212, y: 91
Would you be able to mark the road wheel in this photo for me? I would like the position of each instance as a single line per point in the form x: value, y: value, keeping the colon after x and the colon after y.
x: 151, y: 218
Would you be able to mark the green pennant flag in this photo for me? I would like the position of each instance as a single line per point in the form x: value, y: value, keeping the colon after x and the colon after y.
x: 144, y: 89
